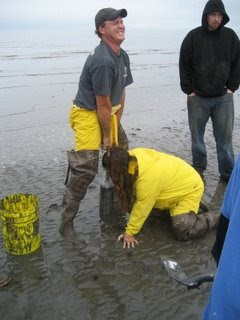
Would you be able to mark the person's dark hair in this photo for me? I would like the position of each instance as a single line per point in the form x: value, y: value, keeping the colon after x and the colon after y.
x: 116, y: 161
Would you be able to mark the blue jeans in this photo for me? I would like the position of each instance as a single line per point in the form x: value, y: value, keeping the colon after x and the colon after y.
x: 221, y: 111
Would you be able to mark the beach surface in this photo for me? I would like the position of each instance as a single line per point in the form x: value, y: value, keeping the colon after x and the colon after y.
x: 91, y: 276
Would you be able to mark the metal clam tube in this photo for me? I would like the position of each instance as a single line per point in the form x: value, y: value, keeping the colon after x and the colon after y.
x: 106, y: 195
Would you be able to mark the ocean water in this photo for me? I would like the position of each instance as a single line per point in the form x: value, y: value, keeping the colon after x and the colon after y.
x: 40, y: 71
x: 92, y: 277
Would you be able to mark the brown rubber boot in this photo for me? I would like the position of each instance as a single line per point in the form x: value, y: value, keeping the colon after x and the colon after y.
x: 83, y: 166
x: 122, y: 138
x: 70, y: 209
x: 191, y: 226
x: 212, y: 219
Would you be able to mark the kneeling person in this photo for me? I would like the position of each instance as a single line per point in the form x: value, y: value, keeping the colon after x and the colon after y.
x: 145, y: 179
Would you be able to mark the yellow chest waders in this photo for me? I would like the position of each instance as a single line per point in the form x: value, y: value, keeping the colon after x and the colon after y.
x: 114, y: 125
x: 87, y: 130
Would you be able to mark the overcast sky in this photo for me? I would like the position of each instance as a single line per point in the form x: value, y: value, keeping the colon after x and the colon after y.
x: 160, y: 13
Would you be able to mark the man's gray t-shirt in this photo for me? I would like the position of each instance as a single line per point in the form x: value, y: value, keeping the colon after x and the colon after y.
x: 104, y: 74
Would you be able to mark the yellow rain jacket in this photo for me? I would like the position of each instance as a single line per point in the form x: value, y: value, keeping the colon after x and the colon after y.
x: 164, y: 182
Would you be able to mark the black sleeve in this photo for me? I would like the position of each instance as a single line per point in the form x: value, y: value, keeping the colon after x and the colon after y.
x: 220, y: 237
x: 234, y: 77
x: 185, y: 65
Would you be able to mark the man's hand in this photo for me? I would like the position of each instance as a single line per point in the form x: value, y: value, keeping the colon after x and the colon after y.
x: 106, y: 143
x: 128, y: 241
x: 192, y: 94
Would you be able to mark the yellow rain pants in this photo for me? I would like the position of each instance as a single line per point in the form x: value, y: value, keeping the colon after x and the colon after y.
x: 87, y: 129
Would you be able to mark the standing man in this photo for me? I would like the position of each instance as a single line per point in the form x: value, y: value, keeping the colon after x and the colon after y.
x: 209, y: 74
x: 97, y: 109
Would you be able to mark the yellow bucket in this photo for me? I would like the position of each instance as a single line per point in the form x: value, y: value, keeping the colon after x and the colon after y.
x: 20, y: 223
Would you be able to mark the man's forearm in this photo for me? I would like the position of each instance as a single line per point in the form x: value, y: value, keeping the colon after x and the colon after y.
x: 104, y: 117
x: 120, y: 111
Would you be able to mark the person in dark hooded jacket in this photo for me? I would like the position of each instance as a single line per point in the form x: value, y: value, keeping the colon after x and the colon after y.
x: 209, y: 68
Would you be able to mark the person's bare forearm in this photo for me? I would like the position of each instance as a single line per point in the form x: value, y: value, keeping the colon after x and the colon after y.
x: 104, y: 117
x: 120, y: 111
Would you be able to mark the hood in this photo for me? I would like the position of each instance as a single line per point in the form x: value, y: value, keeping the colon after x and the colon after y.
x: 214, y: 6
x: 145, y: 158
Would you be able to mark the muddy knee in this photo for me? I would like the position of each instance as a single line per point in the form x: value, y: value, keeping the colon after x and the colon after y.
x: 188, y: 226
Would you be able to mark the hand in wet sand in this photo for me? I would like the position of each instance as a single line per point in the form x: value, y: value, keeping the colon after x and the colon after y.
x: 128, y: 241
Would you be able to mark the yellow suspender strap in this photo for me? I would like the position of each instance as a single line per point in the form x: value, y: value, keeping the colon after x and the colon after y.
x: 114, y: 125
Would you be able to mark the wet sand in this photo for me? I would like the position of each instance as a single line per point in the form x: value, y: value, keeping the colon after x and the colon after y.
x: 92, y: 276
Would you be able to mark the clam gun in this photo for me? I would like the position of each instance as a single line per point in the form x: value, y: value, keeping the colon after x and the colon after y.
x: 106, y: 196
